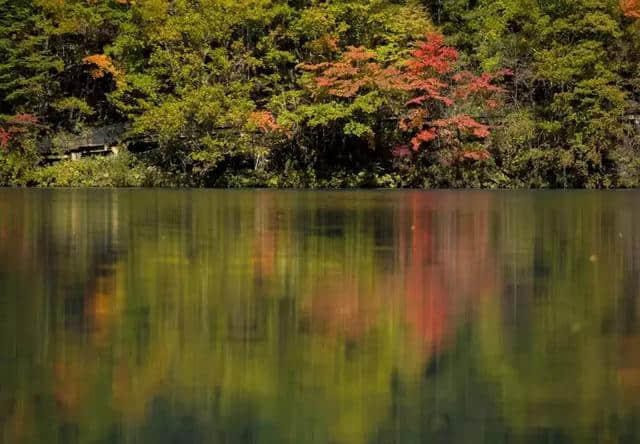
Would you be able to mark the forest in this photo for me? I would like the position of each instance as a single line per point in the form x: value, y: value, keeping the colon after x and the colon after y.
x: 322, y: 93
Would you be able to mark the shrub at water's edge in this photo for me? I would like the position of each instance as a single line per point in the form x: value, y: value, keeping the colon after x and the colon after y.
x: 123, y: 170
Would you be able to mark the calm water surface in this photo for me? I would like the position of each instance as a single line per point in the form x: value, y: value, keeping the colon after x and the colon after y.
x: 132, y: 316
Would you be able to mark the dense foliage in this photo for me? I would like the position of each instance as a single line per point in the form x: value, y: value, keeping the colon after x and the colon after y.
x: 398, y: 93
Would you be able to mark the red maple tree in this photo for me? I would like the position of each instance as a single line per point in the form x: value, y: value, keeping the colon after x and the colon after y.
x: 431, y: 80
x: 436, y: 91
x: 15, y: 126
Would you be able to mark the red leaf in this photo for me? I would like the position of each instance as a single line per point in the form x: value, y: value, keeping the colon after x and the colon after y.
x: 630, y: 8
x: 401, y: 151
x: 426, y: 135
x: 415, y: 144
x: 431, y: 54
x: 24, y: 118
x: 423, y: 136
x: 5, y: 138
x: 481, y: 131
x: 476, y: 155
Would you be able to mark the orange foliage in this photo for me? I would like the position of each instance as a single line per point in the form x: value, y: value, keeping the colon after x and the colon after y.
x: 264, y: 120
x: 464, y: 122
x: 356, y: 70
x: 428, y: 77
x: 100, y: 307
x: 630, y: 8
x: 102, y: 65
x: 423, y: 136
x: 24, y: 119
x: 476, y: 155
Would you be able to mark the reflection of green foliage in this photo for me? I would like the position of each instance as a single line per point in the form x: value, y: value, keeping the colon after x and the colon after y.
x: 202, y: 321
x: 280, y: 317
x: 550, y: 353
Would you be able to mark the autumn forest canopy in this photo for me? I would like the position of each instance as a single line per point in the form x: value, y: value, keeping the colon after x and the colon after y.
x: 312, y: 93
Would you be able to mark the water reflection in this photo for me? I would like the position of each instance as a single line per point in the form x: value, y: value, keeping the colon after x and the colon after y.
x: 136, y: 316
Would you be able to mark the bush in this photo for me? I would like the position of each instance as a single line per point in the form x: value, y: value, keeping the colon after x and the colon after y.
x: 124, y: 170
x: 15, y: 167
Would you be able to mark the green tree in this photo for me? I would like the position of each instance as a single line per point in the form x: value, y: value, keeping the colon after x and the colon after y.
x: 27, y: 63
x: 569, y: 81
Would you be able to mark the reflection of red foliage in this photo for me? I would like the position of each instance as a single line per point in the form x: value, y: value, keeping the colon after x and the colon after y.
x: 265, y: 240
x: 336, y: 307
x: 628, y: 371
x: 426, y: 304
x: 443, y: 280
x: 426, y: 297
x: 100, y: 306
x: 264, y: 254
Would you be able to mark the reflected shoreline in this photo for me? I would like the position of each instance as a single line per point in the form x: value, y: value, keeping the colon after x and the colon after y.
x: 347, y: 317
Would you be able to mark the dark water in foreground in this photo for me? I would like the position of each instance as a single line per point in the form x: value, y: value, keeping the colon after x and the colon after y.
x: 137, y: 316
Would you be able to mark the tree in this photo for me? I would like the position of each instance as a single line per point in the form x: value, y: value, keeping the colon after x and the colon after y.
x: 26, y: 60
x: 18, y: 153
x: 435, y: 96
x: 564, y: 125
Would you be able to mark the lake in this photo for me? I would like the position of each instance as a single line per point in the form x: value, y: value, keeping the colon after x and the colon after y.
x: 159, y: 316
